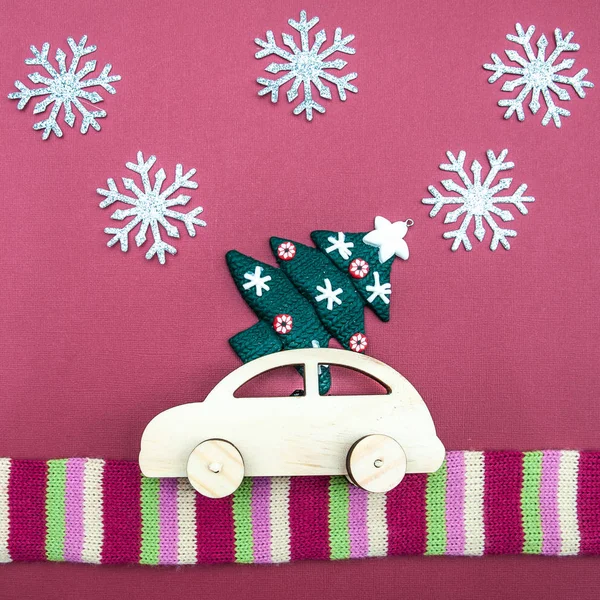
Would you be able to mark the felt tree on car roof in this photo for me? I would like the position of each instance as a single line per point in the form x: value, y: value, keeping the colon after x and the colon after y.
x: 317, y: 293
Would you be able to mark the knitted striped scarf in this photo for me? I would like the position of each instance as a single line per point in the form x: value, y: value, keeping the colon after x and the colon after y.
x: 97, y: 511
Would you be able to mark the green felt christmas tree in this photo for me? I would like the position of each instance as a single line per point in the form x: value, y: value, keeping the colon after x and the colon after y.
x: 317, y: 293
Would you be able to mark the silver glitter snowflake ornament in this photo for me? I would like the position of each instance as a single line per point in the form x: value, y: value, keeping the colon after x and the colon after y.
x: 478, y: 200
x: 306, y: 65
x: 538, y: 75
x: 65, y: 87
x: 151, y: 207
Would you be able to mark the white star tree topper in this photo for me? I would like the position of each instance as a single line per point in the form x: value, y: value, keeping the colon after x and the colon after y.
x: 341, y: 245
x: 389, y: 238
x: 329, y: 294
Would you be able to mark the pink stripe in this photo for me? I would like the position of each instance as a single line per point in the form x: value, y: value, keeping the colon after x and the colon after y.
x: 549, y: 502
x: 74, y: 509
x: 455, y: 503
x: 261, y: 525
x: 359, y: 537
x: 168, y: 522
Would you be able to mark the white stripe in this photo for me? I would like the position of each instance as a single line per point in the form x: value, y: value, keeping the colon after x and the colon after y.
x: 279, y: 513
x: 473, y: 513
x: 186, y: 522
x: 377, y: 530
x: 4, y: 519
x: 93, y: 528
x: 567, y: 502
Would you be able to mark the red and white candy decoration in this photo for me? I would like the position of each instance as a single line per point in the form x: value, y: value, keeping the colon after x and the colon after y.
x: 358, y: 342
x: 286, y: 251
x: 359, y: 268
x: 283, y: 324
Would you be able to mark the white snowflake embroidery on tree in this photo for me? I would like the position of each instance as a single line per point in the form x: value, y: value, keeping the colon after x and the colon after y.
x: 379, y: 290
x: 341, y: 245
x: 306, y: 65
x: 538, y: 75
x: 478, y: 200
x: 257, y: 281
x: 151, y: 207
x: 329, y: 294
x: 65, y: 87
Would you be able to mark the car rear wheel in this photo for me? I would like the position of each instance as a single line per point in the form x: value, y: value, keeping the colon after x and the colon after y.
x: 215, y: 468
x: 376, y: 463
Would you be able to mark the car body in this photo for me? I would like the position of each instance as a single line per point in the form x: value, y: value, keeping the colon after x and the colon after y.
x: 295, y: 435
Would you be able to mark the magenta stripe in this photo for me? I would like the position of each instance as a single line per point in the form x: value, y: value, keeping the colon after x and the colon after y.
x: 261, y: 525
x: 357, y: 522
x: 122, y: 518
x: 27, y: 510
x: 309, y: 518
x: 502, y: 503
x: 74, y: 509
x: 549, y: 502
x: 588, y: 502
x: 215, y: 530
x: 407, y: 528
x: 168, y: 522
x: 455, y: 503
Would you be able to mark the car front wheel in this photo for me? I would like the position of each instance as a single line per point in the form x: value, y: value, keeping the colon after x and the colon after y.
x: 376, y: 463
x: 215, y: 468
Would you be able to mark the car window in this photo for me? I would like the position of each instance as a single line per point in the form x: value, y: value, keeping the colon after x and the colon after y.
x: 278, y: 382
x: 349, y: 382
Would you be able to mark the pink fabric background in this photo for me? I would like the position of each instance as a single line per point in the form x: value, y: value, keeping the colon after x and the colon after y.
x: 93, y: 342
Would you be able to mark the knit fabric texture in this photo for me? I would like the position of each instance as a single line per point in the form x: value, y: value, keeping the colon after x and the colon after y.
x: 97, y: 511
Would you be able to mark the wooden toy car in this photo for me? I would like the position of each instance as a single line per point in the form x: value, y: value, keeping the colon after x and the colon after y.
x: 372, y: 439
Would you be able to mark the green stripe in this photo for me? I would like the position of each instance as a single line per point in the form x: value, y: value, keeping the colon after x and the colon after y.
x: 242, y: 520
x: 435, y: 498
x: 55, y: 509
x: 339, y: 508
x: 150, y: 500
x: 530, y: 503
